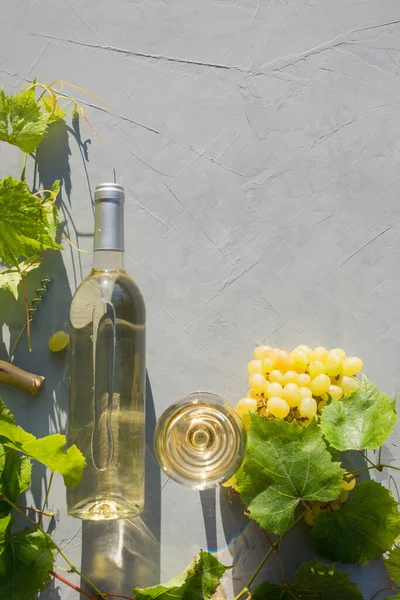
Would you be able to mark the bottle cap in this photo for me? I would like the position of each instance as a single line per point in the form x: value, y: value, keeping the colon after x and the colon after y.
x: 109, y: 218
x: 109, y: 191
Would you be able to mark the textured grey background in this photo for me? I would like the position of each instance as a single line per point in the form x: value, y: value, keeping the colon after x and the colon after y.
x: 259, y: 146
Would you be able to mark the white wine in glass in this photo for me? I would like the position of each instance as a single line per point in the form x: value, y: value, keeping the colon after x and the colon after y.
x: 200, y: 441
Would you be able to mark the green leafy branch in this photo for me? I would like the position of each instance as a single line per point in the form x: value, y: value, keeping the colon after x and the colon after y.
x: 30, y: 220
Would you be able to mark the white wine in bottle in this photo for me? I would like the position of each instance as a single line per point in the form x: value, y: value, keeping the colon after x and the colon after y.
x: 106, y: 412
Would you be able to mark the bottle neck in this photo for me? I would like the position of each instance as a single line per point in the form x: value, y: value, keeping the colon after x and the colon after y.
x: 108, y: 260
x: 109, y: 225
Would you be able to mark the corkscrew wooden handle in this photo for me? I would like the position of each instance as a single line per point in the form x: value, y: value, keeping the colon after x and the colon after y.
x: 23, y: 379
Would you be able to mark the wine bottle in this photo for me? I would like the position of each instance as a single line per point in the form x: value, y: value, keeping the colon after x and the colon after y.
x: 107, y: 380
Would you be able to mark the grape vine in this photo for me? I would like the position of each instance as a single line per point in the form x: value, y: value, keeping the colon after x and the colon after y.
x: 292, y: 471
x: 29, y: 222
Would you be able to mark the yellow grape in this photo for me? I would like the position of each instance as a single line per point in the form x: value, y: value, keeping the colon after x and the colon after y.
x: 335, y: 391
x: 284, y: 361
x: 273, y: 353
x: 305, y: 392
x: 319, y: 507
x: 320, y: 353
x: 321, y: 405
x: 252, y: 394
x: 58, y: 341
x: 306, y: 349
x: 303, y: 380
x: 275, y: 389
x: 309, y: 517
x: 320, y: 384
x: 254, y: 366
x: 307, y: 407
x: 340, y: 352
x: 316, y: 367
x: 349, y: 385
x: 258, y: 383
x: 333, y: 364
x: 276, y: 376
x: 278, y: 407
x: 324, y: 396
x: 300, y: 359
x: 344, y: 496
x: 262, y: 352
x: 230, y: 482
x: 335, y: 505
x: 264, y: 412
x: 245, y: 404
x: 290, y: 377
x: 352, y: 365
x: 347, y: 486
x: 292, y: 395
x: 246, y: 421
x: 267, y: 365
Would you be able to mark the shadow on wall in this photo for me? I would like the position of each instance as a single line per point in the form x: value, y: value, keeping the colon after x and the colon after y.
x: 121, y: 554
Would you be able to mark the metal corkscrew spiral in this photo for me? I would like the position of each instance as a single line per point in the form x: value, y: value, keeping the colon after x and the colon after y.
x: 40, y: 292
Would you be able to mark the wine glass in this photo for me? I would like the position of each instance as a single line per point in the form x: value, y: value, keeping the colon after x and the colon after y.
x: 200, y: 440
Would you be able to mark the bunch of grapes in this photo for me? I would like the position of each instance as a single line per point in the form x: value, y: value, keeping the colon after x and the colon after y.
x: 298, y: 384
x: 314, y: 508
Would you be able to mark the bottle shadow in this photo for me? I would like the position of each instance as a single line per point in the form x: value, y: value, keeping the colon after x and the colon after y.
x: 120, y: 554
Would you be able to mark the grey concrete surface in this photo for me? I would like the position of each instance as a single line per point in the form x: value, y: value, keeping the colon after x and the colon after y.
x: 258, y: 142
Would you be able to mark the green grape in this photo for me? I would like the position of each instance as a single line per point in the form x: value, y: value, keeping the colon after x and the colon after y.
x: 352, y: 365
x: 284, y: 361
x: 316, y: 367
x: 290, y: 377
x: 275, y: 390
x: 307, y: 408
x: 335, y: 391
x: 335, y: 505
x: 300, y: 359
x: 58, y: 341
x: 276, y: 376
x: 231, y: 482
x: 305, y: 349
x: 340, y: 352
x: 320, y: 384
x: 267, y: 365
x: 262, y: 352
x: 347, y: 486
x: 258, y: 383
x: 292, y: 395
x: 303, y: 380
x: 320, y: 353
x: 305, y: 392
x: 349, y: 385
x: 309, y: 517
x: 344, y: 496
x: 245, y: 404
x: 278, y: 407
x: 333, y: 365
x: 254, y: 366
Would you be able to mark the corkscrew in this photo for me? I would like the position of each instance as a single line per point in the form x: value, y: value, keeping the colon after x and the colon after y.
x: 9, y: 373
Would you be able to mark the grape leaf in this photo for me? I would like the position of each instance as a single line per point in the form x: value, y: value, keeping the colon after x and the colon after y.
x: 285, y: 463
x: 15, y: 477
x: 48, y: 450
x: 362, y: 421
x: 362, y: 529
x: 51, y: 105
x: 313, y: 581
x: 10, y: 278
x: 25, y: 560
x: 25, y: 228
x: 21, y: 121
x: 392, y: 563
x: 51, y: 208
x: 198, y: 582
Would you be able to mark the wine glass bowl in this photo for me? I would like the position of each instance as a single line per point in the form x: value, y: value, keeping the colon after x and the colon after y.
x: 200, y: 440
